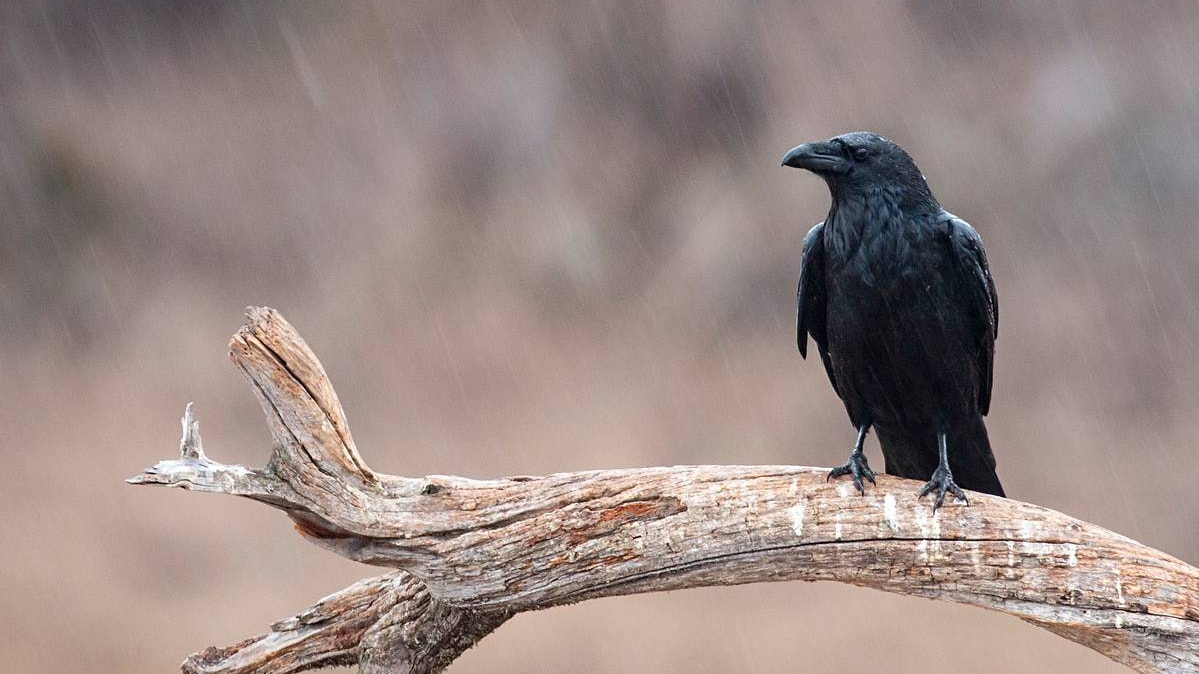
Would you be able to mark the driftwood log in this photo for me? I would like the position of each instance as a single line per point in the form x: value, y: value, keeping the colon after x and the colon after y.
x: 470, y: 553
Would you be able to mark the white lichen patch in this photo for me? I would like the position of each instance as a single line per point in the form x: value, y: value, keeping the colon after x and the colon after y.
x: 1027, y: 530
x: 794, y: 488
x: 1030, y: 546
x: 1038, y: 549
x: 930, y: 531
x: 890, y: 514
x: 935, y: 530
x: 796, y: 514
x: 1072, y: 554
x: 922, y: 522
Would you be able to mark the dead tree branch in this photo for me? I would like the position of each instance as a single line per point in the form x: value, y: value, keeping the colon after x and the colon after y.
x: 385, y: 624
x: 473, y: 552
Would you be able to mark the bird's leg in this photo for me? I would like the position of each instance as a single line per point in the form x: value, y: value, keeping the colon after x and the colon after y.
x: 943, y: 479
x: 856, y: 466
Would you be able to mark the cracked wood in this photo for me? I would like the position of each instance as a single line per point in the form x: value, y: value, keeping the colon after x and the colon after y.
x: 494, y: 547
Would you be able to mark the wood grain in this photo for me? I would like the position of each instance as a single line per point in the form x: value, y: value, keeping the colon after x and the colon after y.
x: 477, y: 551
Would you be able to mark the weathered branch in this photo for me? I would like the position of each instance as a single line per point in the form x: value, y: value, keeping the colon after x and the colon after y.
x: 486, y: 549
x: 387, y: 624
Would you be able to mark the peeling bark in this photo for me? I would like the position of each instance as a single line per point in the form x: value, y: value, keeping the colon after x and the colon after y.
x: 385, y: 624
x: 473, y: 552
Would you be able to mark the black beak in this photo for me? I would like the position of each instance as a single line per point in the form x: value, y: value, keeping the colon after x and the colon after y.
x: 823, y: 157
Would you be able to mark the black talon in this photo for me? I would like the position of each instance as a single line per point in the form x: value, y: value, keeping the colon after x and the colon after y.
x: 942, y: 482
x: 857, y: 465
x: 942, y: 479
x: 858, y: 468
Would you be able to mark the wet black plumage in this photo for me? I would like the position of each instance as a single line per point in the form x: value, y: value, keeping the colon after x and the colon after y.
x: 897, y: 295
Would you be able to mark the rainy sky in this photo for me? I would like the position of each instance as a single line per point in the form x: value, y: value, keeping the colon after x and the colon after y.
x: 537, y: 237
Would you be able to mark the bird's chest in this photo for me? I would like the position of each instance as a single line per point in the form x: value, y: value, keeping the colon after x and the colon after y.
x: 887, y: 291
x: 877, y: 261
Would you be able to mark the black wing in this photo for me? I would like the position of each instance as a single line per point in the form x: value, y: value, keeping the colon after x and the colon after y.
x: 967, y: 249
x: 812, y: 301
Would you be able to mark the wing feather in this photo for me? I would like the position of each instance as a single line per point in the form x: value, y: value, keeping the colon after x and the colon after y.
x: 971, y: 259
x: 812, y: 301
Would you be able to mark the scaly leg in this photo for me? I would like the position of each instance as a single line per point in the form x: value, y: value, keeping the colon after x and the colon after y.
x: 856, y: 466
x: 942, y: 480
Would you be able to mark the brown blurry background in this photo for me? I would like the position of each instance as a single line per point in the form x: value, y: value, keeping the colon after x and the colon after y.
x: 538, y: 238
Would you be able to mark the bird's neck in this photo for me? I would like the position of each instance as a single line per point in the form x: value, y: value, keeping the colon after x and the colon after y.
x: 911, y: 198
x: 877, y: 212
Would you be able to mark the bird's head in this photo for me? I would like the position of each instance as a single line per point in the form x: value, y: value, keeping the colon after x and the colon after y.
x: 861, y: 163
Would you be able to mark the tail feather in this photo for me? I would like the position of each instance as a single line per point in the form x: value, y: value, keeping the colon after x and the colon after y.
x: 912, y: 453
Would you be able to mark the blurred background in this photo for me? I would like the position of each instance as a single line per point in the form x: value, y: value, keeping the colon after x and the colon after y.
x: 548, y: 237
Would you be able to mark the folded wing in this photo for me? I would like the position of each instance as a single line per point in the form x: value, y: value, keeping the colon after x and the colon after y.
x: 812, y: 301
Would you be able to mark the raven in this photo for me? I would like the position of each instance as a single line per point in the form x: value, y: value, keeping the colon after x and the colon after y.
x: 897, y: 295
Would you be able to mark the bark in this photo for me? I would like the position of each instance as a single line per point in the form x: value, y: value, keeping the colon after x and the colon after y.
x: 473, y: 552
x: 385, y: 624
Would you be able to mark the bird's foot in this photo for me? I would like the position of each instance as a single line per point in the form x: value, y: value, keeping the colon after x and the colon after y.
x: 941, y: 483
x: 858, y: 468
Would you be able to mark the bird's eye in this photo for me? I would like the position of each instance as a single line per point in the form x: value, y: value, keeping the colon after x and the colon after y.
x: 861, y: 153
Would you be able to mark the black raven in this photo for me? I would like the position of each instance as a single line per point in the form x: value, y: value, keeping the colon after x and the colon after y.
x: 897, y: 295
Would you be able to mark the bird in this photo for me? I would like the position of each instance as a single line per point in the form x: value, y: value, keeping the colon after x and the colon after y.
x: 897, y: 295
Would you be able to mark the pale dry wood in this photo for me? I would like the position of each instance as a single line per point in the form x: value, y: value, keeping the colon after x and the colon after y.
x: 386, y: 624
x: 496, y: 547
